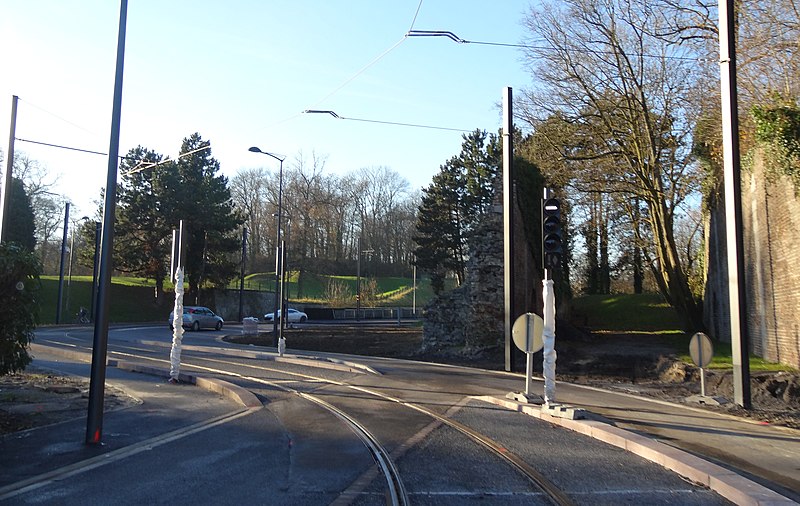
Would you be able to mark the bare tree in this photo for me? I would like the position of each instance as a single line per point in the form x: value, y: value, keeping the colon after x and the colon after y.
x: 48, y: 207
x: 624, y: 97
x: 250, y: 189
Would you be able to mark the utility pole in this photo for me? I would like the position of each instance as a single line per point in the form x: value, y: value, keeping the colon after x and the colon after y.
x: 94, y: 423
x: 241, y: 277
x: 6, y: 193
x: 737, y: 294
x: 508, y: 227
x: 63, y: 261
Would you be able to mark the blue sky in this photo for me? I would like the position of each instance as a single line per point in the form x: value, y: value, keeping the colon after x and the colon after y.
x: 241, y: 72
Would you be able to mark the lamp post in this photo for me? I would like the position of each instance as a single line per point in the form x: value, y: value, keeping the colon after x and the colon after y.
x: 98, y: 228
x: 63, y: 261
x: 71, y: 255
x: 254, y: 149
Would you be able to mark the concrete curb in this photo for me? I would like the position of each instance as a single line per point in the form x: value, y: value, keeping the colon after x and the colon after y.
x: 726, y: 483
x: 228, y: 390
x: 304, y: 360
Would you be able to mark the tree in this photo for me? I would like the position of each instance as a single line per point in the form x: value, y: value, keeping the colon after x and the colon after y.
x: 451, y: 206
x: 193, y: 192
x: 21, y: 226
x: 250, y: 190
x: 19, y: 283
x: 47, y: 207
x: 142, y: 239
x: 439, y: 240
x: 625, y: 96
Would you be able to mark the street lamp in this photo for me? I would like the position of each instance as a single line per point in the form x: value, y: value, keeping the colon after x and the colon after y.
x: 254, y: 149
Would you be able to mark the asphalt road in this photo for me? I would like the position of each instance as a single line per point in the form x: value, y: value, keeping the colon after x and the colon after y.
x: 295, y: 450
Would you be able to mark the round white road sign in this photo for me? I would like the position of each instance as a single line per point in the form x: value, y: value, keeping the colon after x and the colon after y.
x: 527, y: 332
x: 701, y: 350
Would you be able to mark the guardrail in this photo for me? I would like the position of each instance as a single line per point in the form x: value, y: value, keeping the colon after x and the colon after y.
x: 377, y: 313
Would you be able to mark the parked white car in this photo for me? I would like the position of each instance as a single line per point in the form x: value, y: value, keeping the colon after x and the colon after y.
x: 292, y: 316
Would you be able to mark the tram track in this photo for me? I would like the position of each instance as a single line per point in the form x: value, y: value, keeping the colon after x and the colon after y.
x: 396, y: 491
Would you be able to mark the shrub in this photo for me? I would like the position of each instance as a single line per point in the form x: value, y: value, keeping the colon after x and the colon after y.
x: 337, y: 293
x: 19, y: 284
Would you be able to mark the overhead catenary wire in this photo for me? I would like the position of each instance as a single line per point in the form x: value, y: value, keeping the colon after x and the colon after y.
x: 142, y: 165
x: 63, y: 147
x: 370, y: 64
x: 396, y: 123
x: 455, y: 38
x: 57, y: 116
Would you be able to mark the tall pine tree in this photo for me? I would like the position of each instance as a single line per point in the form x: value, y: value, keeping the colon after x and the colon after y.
x: 460, y: 193
x: 142, y: 234
x: 154, y: 195
x: 20, y: 216
x: 200, y: 197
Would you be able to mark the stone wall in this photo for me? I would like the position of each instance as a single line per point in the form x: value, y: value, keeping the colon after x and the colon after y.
x: 469, y: 319
x: 771, y: 223
x: 226, y: 303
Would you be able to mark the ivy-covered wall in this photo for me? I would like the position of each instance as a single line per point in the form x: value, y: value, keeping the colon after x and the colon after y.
x: 771, y: 226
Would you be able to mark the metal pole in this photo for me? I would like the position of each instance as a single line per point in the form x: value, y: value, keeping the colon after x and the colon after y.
x: 414, y: 293
x: 241, y: 277
x: 97, y: 228
x: 358, y: 283
x: 508, y: 227
x: 63, y: 260
x: 277, y: 253
x: 283, y: 287
x: 94, y: 424
x: 69, y: 268
x: 5, y: 196
x: 737, y: 294
x: 529, y: 357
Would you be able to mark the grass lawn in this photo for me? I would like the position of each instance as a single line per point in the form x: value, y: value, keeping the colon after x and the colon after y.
x: 649, y: 315
x: 392, y: 291
x: 132, y: 299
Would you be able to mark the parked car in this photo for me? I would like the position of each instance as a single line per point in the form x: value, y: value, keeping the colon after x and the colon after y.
x: 197, y: 317
x: 292, y: 316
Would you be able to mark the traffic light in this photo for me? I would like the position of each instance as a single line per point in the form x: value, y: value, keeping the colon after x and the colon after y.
x: 552, y: 243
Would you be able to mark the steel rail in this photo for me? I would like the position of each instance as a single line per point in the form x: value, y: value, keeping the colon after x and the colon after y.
x: 554, y: 494
x: 397, y: 491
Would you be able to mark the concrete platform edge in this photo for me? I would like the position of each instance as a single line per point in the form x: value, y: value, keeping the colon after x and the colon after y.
x: 726, y: 483
x: 228, y: 390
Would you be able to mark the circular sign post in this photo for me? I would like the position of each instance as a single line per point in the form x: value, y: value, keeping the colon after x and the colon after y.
x: 527, y: 334
x: 702, y: 351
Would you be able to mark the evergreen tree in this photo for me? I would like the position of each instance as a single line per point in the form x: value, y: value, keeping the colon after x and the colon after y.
x: 451, y: 206
x: 21, y: 226
x: 142, y: 238
x: 196, y: 194
x: 154, y: 195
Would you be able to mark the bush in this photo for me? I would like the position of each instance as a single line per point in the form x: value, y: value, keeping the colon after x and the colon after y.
x: 19, y: 284
x: 337, y: 293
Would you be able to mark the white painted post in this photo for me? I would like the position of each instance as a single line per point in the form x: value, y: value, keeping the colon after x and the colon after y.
x: 177, y: 324
x: 549, y: 340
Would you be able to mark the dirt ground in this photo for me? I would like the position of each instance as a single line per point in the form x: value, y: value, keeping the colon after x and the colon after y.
x: 634, y: 363
x: 35, y: 397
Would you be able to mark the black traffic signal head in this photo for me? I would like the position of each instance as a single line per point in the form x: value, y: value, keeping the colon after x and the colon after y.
x: 552, y: 246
